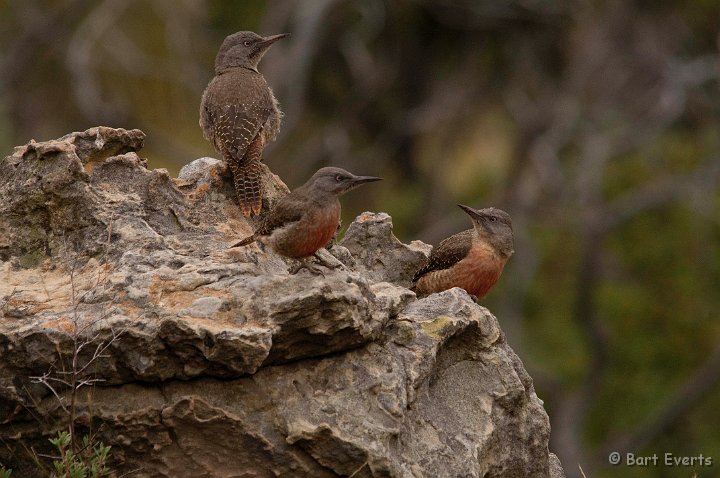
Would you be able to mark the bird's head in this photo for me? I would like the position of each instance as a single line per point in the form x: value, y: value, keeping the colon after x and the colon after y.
x: 336, y: 181
x: 244, y: 49
x: 493, y: 225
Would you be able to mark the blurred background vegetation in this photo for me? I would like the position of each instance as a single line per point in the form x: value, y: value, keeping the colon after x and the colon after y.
x: 593, y: 122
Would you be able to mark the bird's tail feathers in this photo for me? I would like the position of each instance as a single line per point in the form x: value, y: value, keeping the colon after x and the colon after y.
x: 248, y: 185
x: 246, y: 241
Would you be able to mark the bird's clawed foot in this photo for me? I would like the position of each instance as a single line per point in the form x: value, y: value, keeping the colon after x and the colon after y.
x: 304, y: 264
x: 324, y: 258
x: 329, y: 261
x: 475, y: 298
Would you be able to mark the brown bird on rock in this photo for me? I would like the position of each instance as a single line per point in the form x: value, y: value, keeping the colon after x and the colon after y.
x: 239, y: 113
x: 472, y: 259
x: 305, y: 220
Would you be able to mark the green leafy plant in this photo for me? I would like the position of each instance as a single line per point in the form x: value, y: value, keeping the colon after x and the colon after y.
x: 4, y: 472
x: 90, y: 461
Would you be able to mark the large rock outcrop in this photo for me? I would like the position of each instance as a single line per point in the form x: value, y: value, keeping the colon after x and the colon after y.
x: 215, y: 361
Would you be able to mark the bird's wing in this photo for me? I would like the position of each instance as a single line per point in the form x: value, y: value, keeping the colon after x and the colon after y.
x: 289, y: 209
x: 234, y: 119
x: 448, y: 253
x: 236, y: 127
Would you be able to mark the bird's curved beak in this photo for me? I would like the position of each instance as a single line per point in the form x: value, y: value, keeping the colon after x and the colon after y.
x: 269, y: 40
x: 473, y: 213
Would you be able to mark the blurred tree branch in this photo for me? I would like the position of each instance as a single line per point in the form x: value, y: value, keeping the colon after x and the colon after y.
x: 704, y: 380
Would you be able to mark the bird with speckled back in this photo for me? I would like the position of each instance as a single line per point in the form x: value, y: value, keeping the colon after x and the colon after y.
x: 239, y: 113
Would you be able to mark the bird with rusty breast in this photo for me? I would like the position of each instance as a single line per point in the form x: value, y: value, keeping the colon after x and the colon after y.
x: 239, y: 114
x: 305, y: 220
x: 473, y: 259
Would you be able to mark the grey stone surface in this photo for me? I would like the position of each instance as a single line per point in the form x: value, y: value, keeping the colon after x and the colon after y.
x: 556, y: 469
x: 223, y: 364
x: 380, y: 255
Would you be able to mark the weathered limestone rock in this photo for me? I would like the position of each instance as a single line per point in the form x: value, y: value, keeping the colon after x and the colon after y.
x: 378, y: 254
x: 217, y: 362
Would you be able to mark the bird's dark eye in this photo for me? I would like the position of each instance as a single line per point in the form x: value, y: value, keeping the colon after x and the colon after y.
x: 339, y: 178
x: 493, y: 219
x: 246, y: 43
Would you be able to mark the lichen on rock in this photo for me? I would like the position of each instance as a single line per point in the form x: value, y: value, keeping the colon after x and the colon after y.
x: 223, y: 364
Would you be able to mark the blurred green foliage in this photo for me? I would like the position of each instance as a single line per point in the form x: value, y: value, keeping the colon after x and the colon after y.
x: 595, y: 124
